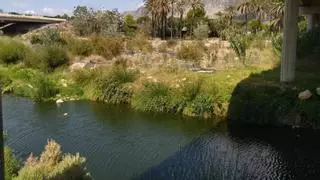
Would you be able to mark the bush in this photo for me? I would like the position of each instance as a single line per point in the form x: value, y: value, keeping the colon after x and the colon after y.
x: 30, y: 83
x: 81, y: 47
x: 48, y: 36
x: 309, y: 43
x: 117, y: 88
x: 202, y: 31
x: 192, y: 53
x: 108, y: 47
x: 154, y: 98
x: 55, y: 56
x: 163, y: 48
x: 255, y: 25
x: 240, y: 43
x: 12, y: 51
x: 11, y: 164
x: 139, y: 43
x: 277, y: 43
x: 171, y: 43
x: 52, y: 164
x: 109, y: 86
x: 201, y: 105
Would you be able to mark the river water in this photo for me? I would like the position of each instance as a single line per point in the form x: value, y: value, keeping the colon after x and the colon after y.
x: 123, y: 144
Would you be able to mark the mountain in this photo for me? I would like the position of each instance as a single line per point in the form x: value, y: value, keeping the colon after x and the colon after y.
x: 211, y: 6
x: 214, y: 6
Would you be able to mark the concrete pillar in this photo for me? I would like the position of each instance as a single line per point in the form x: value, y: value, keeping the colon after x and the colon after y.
x: 290, y: 33
x: 310, y: 22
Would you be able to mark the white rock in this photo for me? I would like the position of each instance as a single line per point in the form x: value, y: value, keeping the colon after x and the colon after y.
x: 318, y: 91
x: 305, y: 95
x: 65, y: 114
x: 59, y: 101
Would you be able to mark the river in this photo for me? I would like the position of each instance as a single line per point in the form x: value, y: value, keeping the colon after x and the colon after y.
x: 120, y: 143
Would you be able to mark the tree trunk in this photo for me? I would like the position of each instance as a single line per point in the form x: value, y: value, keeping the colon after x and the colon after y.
x: 180, y: 24
x: 172, y: 8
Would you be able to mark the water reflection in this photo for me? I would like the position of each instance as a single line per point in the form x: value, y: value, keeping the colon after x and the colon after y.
x: 245, y: 153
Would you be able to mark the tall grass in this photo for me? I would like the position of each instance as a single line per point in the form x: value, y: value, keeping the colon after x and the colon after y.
x: 12, y: 51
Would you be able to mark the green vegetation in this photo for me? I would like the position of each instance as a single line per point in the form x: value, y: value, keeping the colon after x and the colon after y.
x: 267, y: 101
x: 52, y: 164
x: 11, y: 164
x: 153, y: 75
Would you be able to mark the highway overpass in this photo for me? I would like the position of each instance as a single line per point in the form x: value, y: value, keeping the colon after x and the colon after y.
x: 18, y: 24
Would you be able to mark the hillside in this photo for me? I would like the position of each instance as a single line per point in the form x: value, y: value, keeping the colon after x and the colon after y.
x: 211, y: 6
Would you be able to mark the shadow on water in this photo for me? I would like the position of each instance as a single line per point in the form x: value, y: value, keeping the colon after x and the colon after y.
x: 245, y: 153
x: 260, y: 143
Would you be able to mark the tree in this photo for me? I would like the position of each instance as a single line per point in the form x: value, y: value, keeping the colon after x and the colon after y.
x: 130, y: 25
x: 159, y: 10
x: 194, y: 16
x: 245, y: 8
x: 87, y: 21
x: 181, y: 6
x: 196, y: 5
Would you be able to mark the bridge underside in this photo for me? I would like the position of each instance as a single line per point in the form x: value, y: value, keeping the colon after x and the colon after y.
x: 15, y: 28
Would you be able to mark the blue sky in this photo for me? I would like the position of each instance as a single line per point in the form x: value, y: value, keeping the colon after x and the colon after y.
x: 54, y: 7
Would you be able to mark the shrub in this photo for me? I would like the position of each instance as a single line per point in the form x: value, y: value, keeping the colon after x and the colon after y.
x: 171, y: 43
x: 81, y: 47
x: 202, y: 31
x: 11, y: 163
x: 30, y: 83
x: 55, y: 56
x: 163, y: 48
x: 202, y: 106
x: 12, y: 51
x: 154, y: 98
x: 109, y: 86
x: 108, y: 47
x: 277, y: 43
x: 35, y: 58
x: 309, y: 43
x: 240, y: 43
x: 52, y: 164
x: 117, y: 88
x: 48, y: 36
x: 139, y: 43
x: 255, y: 25
x: 192, y: 53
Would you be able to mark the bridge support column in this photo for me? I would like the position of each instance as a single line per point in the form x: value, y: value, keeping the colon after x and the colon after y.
x: 289, y: 49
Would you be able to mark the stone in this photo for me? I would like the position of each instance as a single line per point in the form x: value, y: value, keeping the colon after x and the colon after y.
x: 65, y: 114
x: 318, y: 91
x: 59, y: 101
x: 305, y: 95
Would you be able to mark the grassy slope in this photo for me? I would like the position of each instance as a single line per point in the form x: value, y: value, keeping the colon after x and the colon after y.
x: 262, y: 99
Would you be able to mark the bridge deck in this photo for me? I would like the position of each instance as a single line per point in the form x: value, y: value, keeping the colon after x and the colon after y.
x: 23, y: 18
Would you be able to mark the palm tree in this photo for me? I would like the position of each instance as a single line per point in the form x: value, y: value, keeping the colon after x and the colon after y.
x: 278, y: 15
x: 151, y: 8
x: 181, y: 7
x: 172, y: 3
x: 195, y: 4
x: 229, y: 13
x: 245, y: 8
x: 259, y: 11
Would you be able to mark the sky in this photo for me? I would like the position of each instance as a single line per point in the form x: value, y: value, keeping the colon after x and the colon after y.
x: 55, y: 7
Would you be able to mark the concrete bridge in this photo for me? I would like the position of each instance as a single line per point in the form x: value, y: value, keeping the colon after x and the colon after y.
x: 19, y: 24
x: 294, y: 8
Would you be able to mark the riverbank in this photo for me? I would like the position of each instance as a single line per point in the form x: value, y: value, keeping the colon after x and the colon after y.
x: 178, y: 92
x: 262, y: 99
